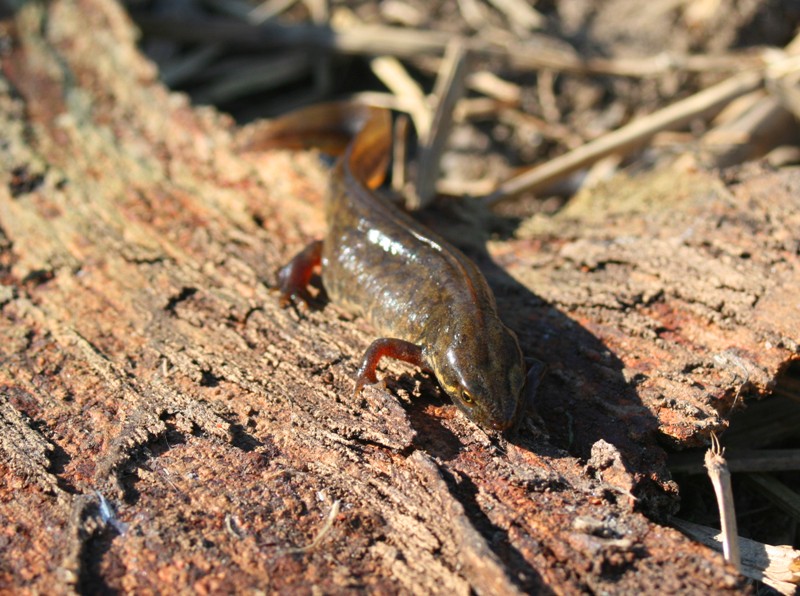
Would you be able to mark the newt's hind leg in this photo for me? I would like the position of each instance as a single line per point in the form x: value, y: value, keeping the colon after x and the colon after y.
x: 295, y: 276
x: 391, y: 348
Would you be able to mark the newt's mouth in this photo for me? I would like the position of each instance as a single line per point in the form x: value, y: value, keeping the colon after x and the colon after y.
x: 484, y: 419
x: 499, y: 426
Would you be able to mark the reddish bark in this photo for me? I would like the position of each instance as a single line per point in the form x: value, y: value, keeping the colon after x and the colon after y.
x: 165, y: 425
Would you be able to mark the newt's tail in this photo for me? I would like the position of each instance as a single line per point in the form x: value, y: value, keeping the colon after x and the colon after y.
x: 361, y: 133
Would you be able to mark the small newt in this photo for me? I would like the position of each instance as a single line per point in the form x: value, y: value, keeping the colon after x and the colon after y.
x: 428, y: 301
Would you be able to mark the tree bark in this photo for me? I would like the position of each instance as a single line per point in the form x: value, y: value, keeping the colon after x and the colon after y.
x: 166, y: 426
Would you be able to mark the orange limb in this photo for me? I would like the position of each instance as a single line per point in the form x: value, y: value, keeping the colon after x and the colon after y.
x: 295, y: 276
x: 390, y: 348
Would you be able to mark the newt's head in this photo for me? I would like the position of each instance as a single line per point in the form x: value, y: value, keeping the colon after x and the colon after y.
x: 484, y: 375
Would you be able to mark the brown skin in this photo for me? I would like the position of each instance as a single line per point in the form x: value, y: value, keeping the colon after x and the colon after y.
x: 428, y: 300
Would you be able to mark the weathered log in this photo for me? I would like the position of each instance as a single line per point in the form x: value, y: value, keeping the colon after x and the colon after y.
x: 166, y: 426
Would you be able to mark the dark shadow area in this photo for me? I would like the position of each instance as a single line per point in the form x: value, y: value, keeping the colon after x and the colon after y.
x: 90, y: 578
x: 59, y: 459
x: 241, y: 439
x: 28, y: 405
x: 521, y: 573
x: 583, y: 396
x: 761, y: 446
x: 142, y: 455
x: 95, y: 544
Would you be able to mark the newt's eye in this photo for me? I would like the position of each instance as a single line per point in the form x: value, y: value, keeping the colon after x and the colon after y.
x: 466, y: 397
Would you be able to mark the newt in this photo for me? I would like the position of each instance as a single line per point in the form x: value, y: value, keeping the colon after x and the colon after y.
x: 430, y: 304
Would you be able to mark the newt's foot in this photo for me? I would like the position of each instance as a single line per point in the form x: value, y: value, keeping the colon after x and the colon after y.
x: 362, y: 382
x: 295, y: 297
x: 391, y: 348
x: 295, y: 276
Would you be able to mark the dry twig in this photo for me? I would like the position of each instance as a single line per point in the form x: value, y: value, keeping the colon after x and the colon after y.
x: 777, y: 492
x: 448, y: 90
x: 721, y: 480
x: 399, y: 151
x: 741, y: 460
x: 767, y: 122
x: 629, y: 136
x: 520, y: 14
x: 378, y: 40
x: 776, y: 566
x: 326, y: 527
x: 396, y: 78
x: 490, y: 84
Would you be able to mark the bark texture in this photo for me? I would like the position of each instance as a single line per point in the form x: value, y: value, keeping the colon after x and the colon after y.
x: 165, y: 426
x: 687, y: 281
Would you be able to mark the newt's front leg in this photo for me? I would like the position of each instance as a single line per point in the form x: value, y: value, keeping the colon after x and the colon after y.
x: 295, y: 276
x: 391, y: 348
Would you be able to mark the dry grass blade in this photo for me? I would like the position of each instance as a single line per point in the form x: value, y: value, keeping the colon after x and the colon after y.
x: 547, y: 95
x: 550, y: 130
x: 448, y: 90
x: 464, y: 188
x: 742, y: 460
x: 765, y: 423
x: 478, y: 108
x: 473, y: 13
x: 520, y: 14
x: 323, y: 531
x: 378, y: 40
x: 491, y: 85
x: 321, y: 69
x: 754, y: 133
x: 786, y: 89
x: 373, y: 40
x: 629, y: 136
x: 776, y: 491
x: 524, y: 57
x: 319, y: 10
x: 399, y: 151
x: 255, y: 76
x: 789, y: 388
x: 396, y: 78
x: 269, y: 10
x: 721, y: 480
x: 250, y: 77
x: 776, y: 566
x: 399, y: 11
x: 767, y: 123
x: 601, y: 170
x: 246, y: 12
x: 179, y: 70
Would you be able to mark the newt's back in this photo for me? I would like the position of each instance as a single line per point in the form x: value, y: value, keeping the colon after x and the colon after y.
x: 430, y: 302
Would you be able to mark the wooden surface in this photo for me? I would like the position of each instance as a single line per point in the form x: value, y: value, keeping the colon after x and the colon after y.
x: 166, y: 427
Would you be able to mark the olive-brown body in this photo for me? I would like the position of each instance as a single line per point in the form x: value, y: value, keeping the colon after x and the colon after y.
x: 430, y: 303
